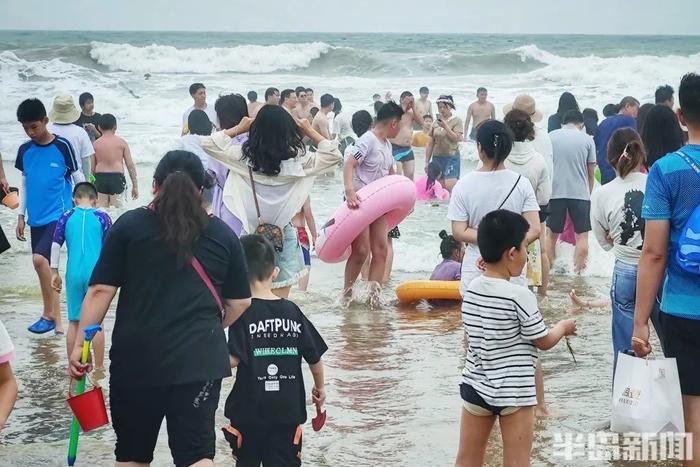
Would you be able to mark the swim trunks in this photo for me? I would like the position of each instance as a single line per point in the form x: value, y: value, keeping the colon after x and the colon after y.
x: 41, y: 238
x: 394, y: 233
x: 477, y: 406
x: 472, y: 134
x: 305, y: 245
x: 110, y: 183
x: 402, y: 153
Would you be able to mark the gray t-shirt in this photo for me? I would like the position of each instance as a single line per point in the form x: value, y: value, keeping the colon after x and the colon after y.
x: 573, y: 150
x: 374, y: 159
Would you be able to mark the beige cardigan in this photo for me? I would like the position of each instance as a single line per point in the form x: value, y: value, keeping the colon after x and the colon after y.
x: 281, y: 196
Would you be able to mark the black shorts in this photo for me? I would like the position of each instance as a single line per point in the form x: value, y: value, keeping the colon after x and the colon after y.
x: 273, y: 445
x: 138, y: 411
x: 394, y: 233
x: 544, y: 213
x: 680, y: 338
x: 578, y: 209
x: 476, y: 405
x: 110, y: 183
x: 41, y: 238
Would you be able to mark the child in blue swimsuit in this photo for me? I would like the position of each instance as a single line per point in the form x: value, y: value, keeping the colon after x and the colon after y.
x: 83, y: 229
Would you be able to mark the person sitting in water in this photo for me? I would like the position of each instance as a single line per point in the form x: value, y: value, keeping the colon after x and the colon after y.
x: 428, y: 188
x: 112, y: 153
x: 505, y: 326
x: 452, y: 252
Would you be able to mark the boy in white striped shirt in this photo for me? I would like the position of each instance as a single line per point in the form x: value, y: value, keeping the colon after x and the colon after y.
x: 505, y: 330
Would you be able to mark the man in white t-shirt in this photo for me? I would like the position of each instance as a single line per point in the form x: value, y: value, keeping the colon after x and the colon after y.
x: 62, y: 116
x: 199, y: 95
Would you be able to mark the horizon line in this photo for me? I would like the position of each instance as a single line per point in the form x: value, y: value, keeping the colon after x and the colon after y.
x: 335, y: 33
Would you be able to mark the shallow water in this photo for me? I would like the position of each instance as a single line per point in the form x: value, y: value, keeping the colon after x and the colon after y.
x: 392, y: 374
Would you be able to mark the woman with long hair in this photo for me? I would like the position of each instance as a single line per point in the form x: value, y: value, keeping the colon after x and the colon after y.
x: 273, y: 161
x: 169, y: 351
x: 567, y: 102
x: 616, y: 215
x: 661, y: 134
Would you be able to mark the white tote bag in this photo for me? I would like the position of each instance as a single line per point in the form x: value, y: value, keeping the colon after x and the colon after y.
x: 646, y: 396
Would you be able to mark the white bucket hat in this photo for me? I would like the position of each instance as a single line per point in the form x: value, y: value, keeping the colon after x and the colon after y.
x: 64, y: 110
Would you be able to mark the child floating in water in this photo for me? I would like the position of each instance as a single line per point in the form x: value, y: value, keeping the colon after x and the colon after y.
x: 452, y: 253
x: 428, y: 187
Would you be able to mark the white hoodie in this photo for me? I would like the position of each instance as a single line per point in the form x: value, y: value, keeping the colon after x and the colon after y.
x: 529, y: 163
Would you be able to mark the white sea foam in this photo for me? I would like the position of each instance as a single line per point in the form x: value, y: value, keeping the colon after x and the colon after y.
x: 631, y: 75
x: 240, y: 59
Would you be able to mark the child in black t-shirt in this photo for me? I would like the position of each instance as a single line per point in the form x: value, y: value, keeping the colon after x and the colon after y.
x: 267, y: 405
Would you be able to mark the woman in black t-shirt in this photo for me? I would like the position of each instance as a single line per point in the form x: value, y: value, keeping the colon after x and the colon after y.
x: 169, y: 351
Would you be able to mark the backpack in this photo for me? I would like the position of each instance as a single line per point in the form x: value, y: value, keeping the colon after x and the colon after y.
x: 688, y: 253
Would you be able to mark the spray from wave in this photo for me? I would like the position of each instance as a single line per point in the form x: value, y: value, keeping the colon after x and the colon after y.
x: 240, y: 59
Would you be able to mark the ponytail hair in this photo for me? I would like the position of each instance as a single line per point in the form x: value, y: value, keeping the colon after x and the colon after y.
x: 626, y: 151
x: 179, y: 179
x: 448, y: 245
x: 434, y: 172
x: 495, y: 140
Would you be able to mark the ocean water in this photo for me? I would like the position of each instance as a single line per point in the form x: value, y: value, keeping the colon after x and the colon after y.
x: 392, y: 374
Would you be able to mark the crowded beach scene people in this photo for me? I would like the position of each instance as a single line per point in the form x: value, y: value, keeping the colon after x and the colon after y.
x: 372, y: 248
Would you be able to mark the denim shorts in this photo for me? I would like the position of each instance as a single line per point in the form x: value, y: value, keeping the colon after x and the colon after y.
x: 449, y: 165
x: 623, y: 297
x: 290, y: 260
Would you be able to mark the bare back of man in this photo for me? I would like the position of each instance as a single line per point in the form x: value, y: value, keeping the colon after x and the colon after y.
x: 111, y: 154
x: 320, y: 124
x: 254, y: 108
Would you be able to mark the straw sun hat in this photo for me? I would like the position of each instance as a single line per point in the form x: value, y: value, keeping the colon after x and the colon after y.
x: 525, y: 103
